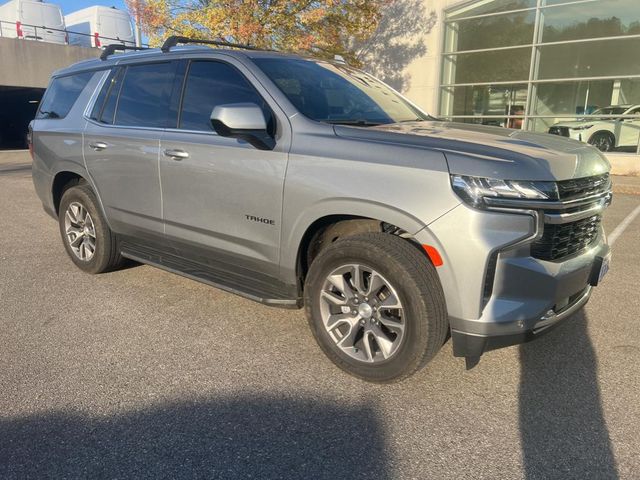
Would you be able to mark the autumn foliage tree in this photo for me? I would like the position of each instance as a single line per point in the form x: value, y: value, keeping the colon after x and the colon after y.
x: 325, y: 27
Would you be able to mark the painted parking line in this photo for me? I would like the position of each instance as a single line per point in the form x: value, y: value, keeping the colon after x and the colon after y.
x: 619, y: 230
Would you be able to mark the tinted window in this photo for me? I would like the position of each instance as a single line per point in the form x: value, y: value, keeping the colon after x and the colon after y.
x: 610, y: 111
x: 62, y: 94
x: 210, y: 84
x: 105, y: 105
x: 145, y: 95
x: 334, y: 93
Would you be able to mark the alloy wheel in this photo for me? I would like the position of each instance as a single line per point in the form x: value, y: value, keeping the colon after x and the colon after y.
x: 80, y: 231
x: 362, y: 313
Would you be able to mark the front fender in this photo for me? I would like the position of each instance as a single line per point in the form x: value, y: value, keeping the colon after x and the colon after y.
x: 292, y: 238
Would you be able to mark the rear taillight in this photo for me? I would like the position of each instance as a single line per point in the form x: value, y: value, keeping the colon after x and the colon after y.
x: 96, y: 38
x: 19, y: 30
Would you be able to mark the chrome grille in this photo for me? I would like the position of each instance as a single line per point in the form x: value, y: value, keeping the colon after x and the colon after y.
x: 583, y: 187
x: 562, y: 240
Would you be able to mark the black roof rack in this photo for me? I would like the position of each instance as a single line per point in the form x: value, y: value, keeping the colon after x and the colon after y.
x: 174, y: 40
x: 111, y: 49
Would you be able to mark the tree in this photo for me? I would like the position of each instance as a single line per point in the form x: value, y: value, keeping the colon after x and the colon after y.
x: 325, y: 27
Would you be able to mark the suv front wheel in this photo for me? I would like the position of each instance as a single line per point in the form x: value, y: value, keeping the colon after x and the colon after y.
x: 603, y: 141
x: 375, y: 306
x: 87, y: 238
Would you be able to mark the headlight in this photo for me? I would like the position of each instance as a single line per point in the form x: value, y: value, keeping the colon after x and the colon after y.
x: 473, y: 190
x: 581, y: 127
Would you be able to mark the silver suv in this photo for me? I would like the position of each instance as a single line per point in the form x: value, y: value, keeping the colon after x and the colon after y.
x: 305, y: 183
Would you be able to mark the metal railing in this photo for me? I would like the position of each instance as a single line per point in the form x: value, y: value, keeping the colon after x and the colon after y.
x: 41, y: 33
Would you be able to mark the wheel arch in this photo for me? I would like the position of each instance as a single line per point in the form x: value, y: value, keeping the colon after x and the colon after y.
x: 62, y: 181
x: 335, y: 226
x: 71, y: 174
x: 344, y: 222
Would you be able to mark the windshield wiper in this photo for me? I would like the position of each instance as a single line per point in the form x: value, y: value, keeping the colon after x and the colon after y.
x: 356, y: 123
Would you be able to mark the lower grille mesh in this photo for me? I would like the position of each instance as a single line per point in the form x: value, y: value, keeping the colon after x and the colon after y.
x: 562, y: 240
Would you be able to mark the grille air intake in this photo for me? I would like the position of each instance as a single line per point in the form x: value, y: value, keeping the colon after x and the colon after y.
x: 561, y: 240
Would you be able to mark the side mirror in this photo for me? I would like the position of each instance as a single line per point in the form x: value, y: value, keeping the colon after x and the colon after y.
x: 244, y: 121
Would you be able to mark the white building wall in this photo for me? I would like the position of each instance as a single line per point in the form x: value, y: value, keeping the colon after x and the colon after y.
x: 424, y: 72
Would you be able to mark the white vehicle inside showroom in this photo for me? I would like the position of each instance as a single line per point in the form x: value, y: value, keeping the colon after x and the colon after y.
x: 611, y: 128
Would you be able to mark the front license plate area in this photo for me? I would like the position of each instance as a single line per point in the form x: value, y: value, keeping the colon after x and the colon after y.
x: 599, y: 270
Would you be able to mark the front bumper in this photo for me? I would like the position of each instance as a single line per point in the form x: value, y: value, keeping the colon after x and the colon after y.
x: 569, y: 132
x: 530, y: 298
x: 497, y: 293
x: 472, y: 345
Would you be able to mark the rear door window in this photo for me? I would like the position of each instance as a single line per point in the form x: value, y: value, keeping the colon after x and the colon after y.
x: 51, y: 16
x: 62, y: 94
x: 145, y: 95
x: 32, y: 13
x: 212, y: 83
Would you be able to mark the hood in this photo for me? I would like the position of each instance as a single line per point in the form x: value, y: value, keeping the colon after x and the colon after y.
x: 586, y: 121
x: 494, y: 152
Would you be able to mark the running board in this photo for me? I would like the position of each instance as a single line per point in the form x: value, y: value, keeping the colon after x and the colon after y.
x: 259, y: 288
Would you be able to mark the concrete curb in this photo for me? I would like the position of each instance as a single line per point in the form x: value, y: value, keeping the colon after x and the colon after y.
x: 624, y: 164
x: 626, y: 184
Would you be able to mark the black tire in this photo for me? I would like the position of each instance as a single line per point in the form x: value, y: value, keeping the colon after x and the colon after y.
x: 417, y: 284
x: 603, y: 141
x: 106, y: 256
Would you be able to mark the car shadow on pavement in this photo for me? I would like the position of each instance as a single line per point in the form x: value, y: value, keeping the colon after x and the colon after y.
x: 563, y: 430
x: 244, y: 437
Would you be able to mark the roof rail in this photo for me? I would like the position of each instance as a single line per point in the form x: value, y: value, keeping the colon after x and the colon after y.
x: 111, y: 49
x: 174, y: 40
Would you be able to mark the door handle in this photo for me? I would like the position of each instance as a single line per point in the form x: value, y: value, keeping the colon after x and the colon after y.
x: 176, y: 154
x: 97, y: 146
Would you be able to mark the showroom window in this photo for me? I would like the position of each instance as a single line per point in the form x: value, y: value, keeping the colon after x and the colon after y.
x: 560, y: 66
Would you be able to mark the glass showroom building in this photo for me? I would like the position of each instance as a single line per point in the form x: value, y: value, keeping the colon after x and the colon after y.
x: 569, y: 67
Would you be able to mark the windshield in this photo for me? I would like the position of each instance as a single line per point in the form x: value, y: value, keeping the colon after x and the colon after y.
x: 331, y: 93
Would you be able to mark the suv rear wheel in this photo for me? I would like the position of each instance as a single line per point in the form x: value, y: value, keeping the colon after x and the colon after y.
x: 375, y: 306
x: 87, y: 238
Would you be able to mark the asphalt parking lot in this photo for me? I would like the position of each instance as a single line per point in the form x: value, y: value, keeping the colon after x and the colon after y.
x: 143, y: 374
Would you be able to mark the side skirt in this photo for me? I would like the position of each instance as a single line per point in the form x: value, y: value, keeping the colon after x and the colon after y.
x: 262, y: 289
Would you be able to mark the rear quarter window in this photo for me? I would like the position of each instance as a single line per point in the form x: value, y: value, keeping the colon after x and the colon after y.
x: 105, y: 106
x: 62, y: 94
